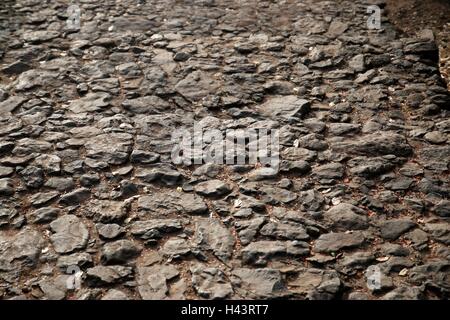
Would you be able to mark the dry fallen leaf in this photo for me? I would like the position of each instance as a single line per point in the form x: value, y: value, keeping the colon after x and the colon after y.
x: 382, y: 259
x: 403, y: 272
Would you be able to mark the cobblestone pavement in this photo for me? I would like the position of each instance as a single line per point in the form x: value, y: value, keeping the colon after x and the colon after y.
x: 92, y: 207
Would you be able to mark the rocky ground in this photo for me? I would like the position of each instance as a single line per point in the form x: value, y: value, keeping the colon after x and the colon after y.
x: 87, y: 183
x: 411, y: 16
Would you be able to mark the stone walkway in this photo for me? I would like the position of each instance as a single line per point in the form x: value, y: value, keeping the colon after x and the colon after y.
x: 359, y: 209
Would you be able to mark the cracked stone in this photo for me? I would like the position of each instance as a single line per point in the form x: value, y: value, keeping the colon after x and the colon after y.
x: 284, y: 231
x: 260, y: 283
x: 285, y: 107
x: 210, y: 282
x: 211, y: 235
x: 152, y: 281
x: 106, y: 211
x: 212, y: 188
x: 99, y: 276
x: 155, y: 228
x: 332, y: 242
x: 19, y: 253
x: 69, y: 234
x: 112, y: 148
x: 259, y: 252
x: 90, y: 103
x: 176, y: 248
x: 165, y: 175
x: 119, y: 252
x: 109, y: 231
x: 147, y: 105
x: 174, y: 202
x: 316, y: 284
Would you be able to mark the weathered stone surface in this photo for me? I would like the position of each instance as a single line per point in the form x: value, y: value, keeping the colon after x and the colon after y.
x: 295, y: 154
x: 439, y: 231
x: 106, y: 211
x: 10, y: 104
x: 6, y: 171
x: 147, y: 105
x: 19, y: 252
x: 69, y: 234
x: 285, y: 107
x: 316, y: 284
x: 91, y: 102
x: 55, y: 289
x: 44, y: 215
x: 176, y: 248
x: 353, y: 262
x: 39, y: 36
x: 81, y: 260
x: 106, y: 158
x: 329, y: 171
x: 259, y: 252
x: 6, y: 187
x: 75, y: 197
x: 195, y: 86
x: 370, y: 167
x: 112, y: 148
x: 143, y: 157
x: 442, y: 208
x: 289, y: 231
x: 258, y: 283
x: 211, y: 235
x: 275, y: 195
x: 212, y: 188
x: 41, y: 198
x: 152, y: 281
x: 210, y: 283
x: 155, y: 228
x: 376, y: 144
x: 165, y: 175
x: 114, y: 294
x: 403, y: 293
x: 174, y: 202
x: 247, y: 230
x: 119, y: 252
x: 99, y: 276
x: 109, y: 231
x: 262, y: 173
x: 35, y: 78
x: 392, y: 229
x: 345, y: 216
x: 60, y: 184
x: 332, y: 242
